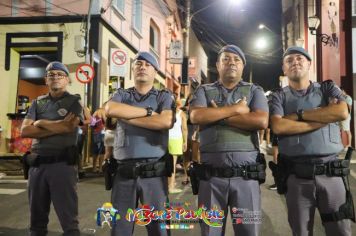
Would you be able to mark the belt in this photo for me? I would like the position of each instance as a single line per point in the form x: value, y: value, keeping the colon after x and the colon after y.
x: 228, y: 172
x: 133, y: 170
x: 318, y: 169
x: 51, y: 159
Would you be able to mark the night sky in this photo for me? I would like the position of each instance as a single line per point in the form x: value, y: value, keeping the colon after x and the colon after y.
x: 224, y: 23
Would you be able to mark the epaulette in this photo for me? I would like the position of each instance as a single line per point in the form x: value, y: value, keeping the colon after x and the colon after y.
x: 42, y: 97
x: 165, y: 90
x: 328, y: 82
x: 257, y: 86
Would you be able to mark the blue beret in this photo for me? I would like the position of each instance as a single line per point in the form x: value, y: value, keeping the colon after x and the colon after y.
x: 56, y: 65
x: 297, y: 50
x: 234, y: 49
x: 148, y: 57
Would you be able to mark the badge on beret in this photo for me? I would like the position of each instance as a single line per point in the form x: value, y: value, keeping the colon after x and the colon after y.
x: 62, y: 112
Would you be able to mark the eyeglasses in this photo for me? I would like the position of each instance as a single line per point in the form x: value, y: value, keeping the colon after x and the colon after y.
x: 53, y: 76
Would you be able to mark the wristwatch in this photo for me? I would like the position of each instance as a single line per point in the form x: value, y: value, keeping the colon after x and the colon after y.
x: 149, y: 111
x: 300, y: 113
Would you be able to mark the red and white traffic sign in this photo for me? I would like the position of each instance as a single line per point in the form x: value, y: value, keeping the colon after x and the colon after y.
x: 85, y: 73
x: 118, y: 57
x: 118, y: 62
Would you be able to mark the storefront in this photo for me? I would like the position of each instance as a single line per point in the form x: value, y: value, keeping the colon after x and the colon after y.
x: 28, y: 47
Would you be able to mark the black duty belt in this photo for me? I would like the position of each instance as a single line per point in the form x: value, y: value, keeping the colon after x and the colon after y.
x: 331, y: 168
x: 132, y: 170
x: 251, y: 171
x: 51, y: 159
x: 228, y: 172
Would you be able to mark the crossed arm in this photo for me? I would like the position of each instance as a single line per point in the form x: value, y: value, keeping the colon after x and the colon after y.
x: 236, y: 115
x: 312, y: 119
x: 45, y: 128
x: 137, y: 116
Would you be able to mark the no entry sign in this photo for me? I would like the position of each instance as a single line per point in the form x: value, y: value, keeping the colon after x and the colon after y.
x: 85, y: 73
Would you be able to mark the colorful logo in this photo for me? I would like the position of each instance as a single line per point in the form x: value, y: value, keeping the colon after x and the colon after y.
x: 145, y: 214
x: 107, y: 215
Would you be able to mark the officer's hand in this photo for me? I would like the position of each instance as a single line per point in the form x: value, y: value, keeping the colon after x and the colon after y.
x: 241, y: 106
x: 69, y: 118
x: 213, y: 104
x: 333, y: 101
x: 37, y: 123
x: 100, y: 113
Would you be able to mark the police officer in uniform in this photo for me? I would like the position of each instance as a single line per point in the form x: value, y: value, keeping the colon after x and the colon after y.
x: 230, y: 112
x: 304, y: 116
x: 144, y: 115
x: 52, y: 122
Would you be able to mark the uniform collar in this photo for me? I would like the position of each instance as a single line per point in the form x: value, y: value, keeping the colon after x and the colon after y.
x: 140, y: 97
x: 220, y: 85
x: 57, y: 98
x: 303, y: 92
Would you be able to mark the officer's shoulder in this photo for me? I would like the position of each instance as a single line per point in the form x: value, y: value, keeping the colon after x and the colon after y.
x: 42, y: 98
x: 123, y: 91
x: 165, y: 91
x: 252, y: 86
x: 325, y: 84
x: 279, y: 91
x: 164, y: 94
x: 45, y: 96
x: 255, y: 86
x: 209, y: 86
x: 75, y: 96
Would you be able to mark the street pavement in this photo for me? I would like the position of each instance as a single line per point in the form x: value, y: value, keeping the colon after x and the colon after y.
x: 14, y: 210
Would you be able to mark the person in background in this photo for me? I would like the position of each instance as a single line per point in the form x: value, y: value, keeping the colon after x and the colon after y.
x: 109, y: 137
x: 82, y: 134
x: 177, y: 144
x: 97, y: 143
x: 345, y: 124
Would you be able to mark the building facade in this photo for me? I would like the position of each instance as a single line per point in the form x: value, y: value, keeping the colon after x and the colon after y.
x: 36, y: 32
x: 330, y: 45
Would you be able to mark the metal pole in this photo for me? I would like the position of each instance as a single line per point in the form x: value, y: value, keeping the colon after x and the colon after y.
x: 186, y: 43
x: 87, y: 55
x: 187, y: 29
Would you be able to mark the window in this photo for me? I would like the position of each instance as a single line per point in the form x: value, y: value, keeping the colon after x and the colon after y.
x: 137, y: 15
x: 120, y: 5
x: 154, y: 37
x: 354, y: 7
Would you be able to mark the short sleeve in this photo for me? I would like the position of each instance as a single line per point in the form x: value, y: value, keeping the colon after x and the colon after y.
x: 258, y: 99
x: 77, y: 109
x: 118, y: 96
x: 31, y: 113
x: 276, y: 104
x: 166, y: 101
x: 331, y: 90
x: 199, y: 98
